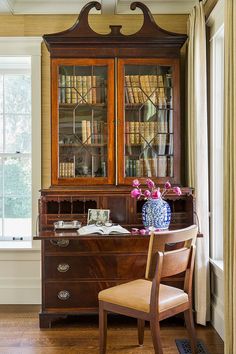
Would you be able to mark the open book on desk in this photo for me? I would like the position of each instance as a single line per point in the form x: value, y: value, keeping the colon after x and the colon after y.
x: 103, y: 230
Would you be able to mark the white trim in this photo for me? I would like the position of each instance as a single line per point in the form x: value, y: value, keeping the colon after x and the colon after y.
x: 159, y: 7
x: 50, y: 7
x: 20, y: 46
x: 20, y: 290
x: 10, y: 245
x: 29, y: 46
x: 216, y: 18
x: 109, y: 6
x: 6, y: 6
x: 19, y: 255
x: 216, y: 141
x: 218, y: 266
x: 36, y: 138
x: 217, y: 296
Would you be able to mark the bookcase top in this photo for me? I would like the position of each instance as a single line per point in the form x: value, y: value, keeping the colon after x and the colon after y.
x: 81, y: 33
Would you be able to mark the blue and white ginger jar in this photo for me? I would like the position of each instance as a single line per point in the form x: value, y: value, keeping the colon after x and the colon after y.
x: 156, y: 213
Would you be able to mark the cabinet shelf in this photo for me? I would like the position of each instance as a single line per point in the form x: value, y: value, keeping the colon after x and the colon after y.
x: 82, y: 144
x: 132, y: 106
x: 74, y: 105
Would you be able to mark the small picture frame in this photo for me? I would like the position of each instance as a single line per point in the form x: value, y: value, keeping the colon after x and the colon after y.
x: 98, y: 216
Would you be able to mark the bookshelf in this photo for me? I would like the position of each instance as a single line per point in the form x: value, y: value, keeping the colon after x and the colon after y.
x: 105, y: 137
x: 115, y: 105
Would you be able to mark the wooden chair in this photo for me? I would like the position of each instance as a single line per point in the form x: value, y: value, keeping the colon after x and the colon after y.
x: 149, y: 300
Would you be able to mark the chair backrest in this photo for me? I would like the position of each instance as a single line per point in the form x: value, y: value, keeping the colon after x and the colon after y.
x: 163, y: 263
x: 176, y: 248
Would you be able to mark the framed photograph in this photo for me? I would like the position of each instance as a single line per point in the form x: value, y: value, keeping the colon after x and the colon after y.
x: 98, y: 216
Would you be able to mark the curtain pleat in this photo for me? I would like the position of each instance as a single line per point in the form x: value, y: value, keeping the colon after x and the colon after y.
x: 197, y: 154
x: 229, y: 177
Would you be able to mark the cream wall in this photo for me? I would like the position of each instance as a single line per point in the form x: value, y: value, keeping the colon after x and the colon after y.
x: 20, y: 280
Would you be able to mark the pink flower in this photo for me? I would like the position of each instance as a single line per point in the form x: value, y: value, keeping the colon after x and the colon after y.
x: 147, y: 193
x: 150, y: 183
x: 135, y: 193
x: 156, y: 194
x: 177, y: 190
x: 167, y: 185
x: 135, y: 183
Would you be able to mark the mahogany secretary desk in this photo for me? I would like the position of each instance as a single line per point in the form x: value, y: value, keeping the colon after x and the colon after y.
x: 115, y: 116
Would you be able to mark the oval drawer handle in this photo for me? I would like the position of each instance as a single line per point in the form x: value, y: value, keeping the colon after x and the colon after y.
x: 63, y: 267
x: 60, y: 243
x: 63, y: 295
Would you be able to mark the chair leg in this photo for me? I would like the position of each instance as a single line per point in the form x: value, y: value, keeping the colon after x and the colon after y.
x: 102, y: 329
x: 141, y: 324
x: 188, y: 316
x: 156, y: 338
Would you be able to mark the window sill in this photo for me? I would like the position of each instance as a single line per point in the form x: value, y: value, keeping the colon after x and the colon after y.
x: 19, y: 245
x: 218, y: 265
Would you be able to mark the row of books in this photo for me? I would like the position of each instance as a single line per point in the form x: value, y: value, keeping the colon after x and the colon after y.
x: 94, y: 132
x: 94, y: 168
x: 137, y: 132
x: 141, y: 88
x: 66, y: 169
x: 163, y: 145
x: 161, y: 166
x: 81, y: 89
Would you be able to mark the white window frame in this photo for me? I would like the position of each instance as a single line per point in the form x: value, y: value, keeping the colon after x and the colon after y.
x: 216, y: 25
x: 29, y: 46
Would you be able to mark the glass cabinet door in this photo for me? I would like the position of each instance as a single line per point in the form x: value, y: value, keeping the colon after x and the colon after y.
x: 148, y: 117
x: 84, y: 133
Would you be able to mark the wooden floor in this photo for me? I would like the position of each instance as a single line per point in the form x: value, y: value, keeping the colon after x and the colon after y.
x: 19, y: 333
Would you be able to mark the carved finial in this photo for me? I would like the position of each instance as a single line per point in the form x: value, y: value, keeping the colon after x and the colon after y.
x: 82, y: 21
x: 81, y: 25
x: 149, y: 23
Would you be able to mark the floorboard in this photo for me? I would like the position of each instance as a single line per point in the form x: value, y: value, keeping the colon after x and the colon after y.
x: 19, y: 333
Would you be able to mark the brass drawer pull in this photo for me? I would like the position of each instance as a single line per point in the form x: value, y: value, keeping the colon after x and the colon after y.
x: 60, y: 243
x: 63, y: 295
x: 63, y: 267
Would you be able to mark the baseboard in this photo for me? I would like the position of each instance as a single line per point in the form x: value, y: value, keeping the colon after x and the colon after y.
x: 217, y: 319
x: 20, y: 291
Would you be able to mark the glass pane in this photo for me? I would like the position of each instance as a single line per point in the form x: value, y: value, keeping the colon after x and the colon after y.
x: 1, y: 133
x: 1, y: 215
x: 1, y: 94
x: 17, y: 217
x: 17, y: 94
x: 17, y: 200
x: 17, y: 177
x: 82, y: 121
x: 1, y: 177
x: 18, y: 133
x: 148, y: 121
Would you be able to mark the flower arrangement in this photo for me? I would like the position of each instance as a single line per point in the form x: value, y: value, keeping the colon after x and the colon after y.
x: 152, y: 192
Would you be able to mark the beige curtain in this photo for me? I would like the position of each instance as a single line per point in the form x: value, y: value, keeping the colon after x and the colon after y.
x: 197, y: 157
x: 230, y: 177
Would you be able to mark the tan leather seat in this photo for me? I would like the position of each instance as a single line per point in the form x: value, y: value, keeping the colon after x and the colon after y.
x: 137, y: 294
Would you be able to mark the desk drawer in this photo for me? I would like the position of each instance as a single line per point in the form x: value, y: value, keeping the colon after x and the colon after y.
x: 115, y: 266
x: 78, y: 295
x: 98, y: 245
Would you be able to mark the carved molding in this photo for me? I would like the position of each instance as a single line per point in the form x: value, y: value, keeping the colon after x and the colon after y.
x: 81, y: 33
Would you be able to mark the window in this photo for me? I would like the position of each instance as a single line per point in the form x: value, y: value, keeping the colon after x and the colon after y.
x: 19, y: 141
x: 216, y: 142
